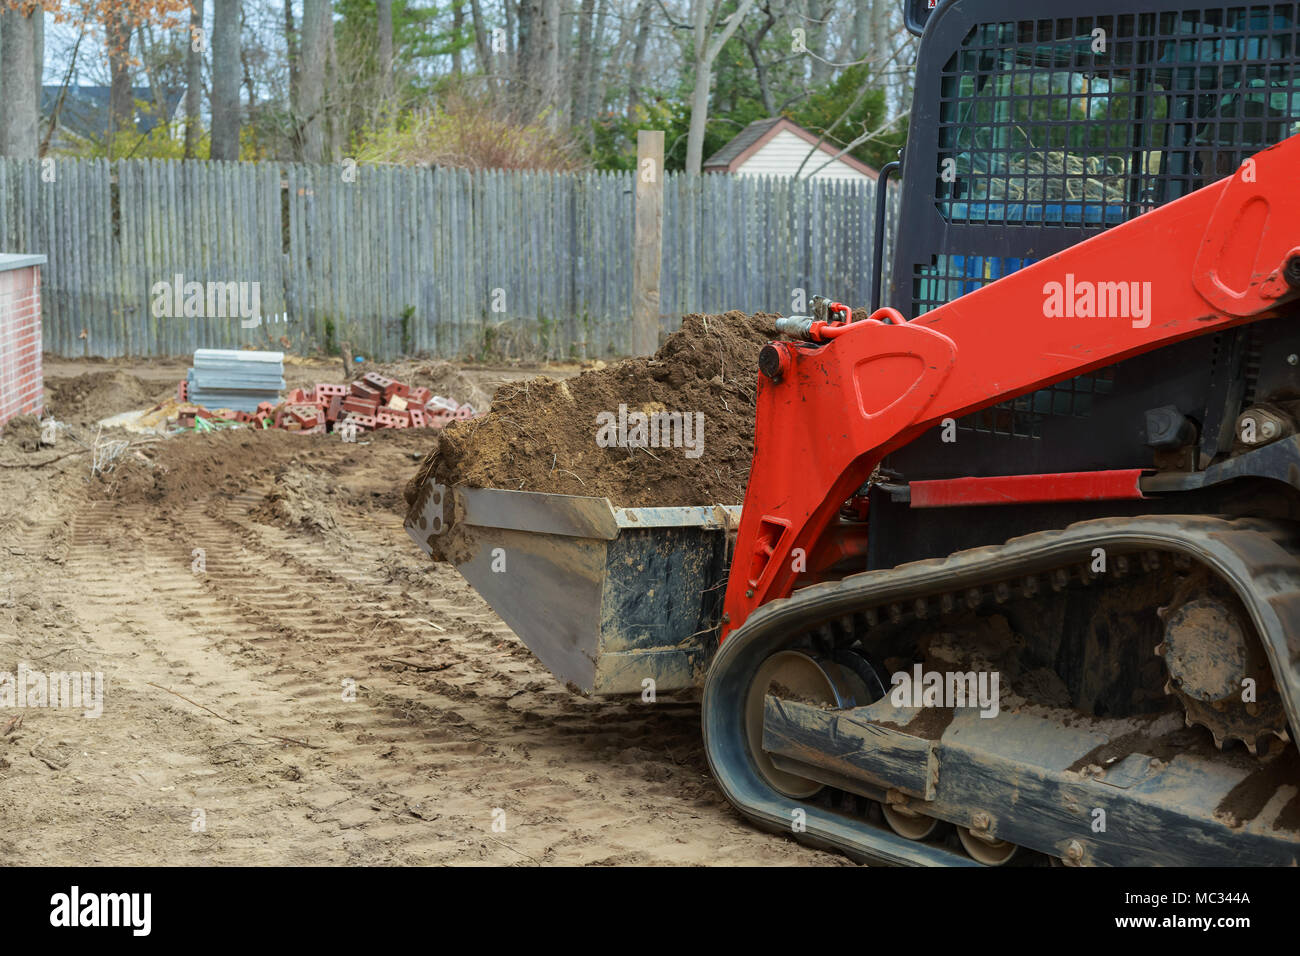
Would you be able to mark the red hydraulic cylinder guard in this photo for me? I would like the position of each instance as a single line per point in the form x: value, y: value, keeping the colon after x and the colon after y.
x: 1025, y: 489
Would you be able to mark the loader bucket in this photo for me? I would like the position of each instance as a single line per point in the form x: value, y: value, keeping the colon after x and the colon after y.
x: 605, y: 597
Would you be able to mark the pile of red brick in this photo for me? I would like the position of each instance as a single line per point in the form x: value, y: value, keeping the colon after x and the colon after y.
x: 375, y: 401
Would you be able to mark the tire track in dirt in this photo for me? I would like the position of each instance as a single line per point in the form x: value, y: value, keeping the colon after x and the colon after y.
x: 478, y: 724
x: 201, y: 762
x: 452, y: 718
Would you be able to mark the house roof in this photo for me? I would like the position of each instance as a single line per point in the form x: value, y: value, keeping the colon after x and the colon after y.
x: 757, y: 135
x: 729, y: 155
x: 85, y: 108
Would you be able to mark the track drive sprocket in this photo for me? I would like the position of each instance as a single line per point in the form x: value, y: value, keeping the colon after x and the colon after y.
x: 1217, y: 668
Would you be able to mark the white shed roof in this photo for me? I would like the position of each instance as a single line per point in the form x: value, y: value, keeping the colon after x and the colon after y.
x: 778, y: 147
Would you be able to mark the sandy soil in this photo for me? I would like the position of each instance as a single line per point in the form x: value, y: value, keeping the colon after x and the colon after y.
x: 225, y: 687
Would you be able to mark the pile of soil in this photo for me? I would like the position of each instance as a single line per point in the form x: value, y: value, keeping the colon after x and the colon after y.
x: 299, y: 500
x: 181, y: 470
x: 174, y: 473
x: 96, y: 395
x: 21, y: 433
x: 541, y: 434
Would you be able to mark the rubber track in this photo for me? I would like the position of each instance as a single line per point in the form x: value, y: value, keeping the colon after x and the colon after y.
x: 1256, y: 557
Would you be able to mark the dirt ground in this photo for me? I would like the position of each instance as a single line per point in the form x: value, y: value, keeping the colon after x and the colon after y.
x: 231, y: 588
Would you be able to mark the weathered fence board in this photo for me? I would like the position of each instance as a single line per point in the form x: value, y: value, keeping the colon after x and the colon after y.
x: 401, y: 260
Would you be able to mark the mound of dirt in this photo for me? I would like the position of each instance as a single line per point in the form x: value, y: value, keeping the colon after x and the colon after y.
x: 96, y: 395
x: 299, y: 500
x: 175, y: 473
x: 179, y: 471
x: 21, y: 433
x: 674, y: 429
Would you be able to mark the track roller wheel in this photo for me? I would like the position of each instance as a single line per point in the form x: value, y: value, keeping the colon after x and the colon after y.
x: 911, y: 826
x: 797, y: 674
x: 984, y: 849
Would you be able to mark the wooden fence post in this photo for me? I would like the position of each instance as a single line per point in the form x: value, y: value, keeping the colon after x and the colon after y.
x: 647, y: 255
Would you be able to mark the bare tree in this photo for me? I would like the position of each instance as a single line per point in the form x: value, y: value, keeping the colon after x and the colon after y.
x: 250, y: 88
x: 817, y: 22
x: 121, y: 104
x: 611, y: 54
x: 860, y: 30
x: 457, y: 30
x: 18, y: 90
x: 194, y: 80
x: 226, y: 73
x: 593, y: 89
x: 538, y: 74
x: 52, y: 123
x: 384, y: 14
x: 636, y: 75
x: 150, y: 61
x: 880, y: 39
x: 754, y: 44
x: 317, y: 44
x: 582, y: 73
x: 481, y: 54
x: 709, y: 41
x: 38, y: 50
x: 291, y: 49
x: 512, y: 20
x: 566, y: 68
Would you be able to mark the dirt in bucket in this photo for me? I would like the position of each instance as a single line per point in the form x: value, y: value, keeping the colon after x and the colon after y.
x: 673, y: 429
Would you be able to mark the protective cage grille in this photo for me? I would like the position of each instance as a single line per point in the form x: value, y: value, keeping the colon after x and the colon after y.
x: 1082, y: 123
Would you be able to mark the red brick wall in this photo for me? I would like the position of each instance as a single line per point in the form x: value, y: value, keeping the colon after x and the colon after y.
x: 21, y: 386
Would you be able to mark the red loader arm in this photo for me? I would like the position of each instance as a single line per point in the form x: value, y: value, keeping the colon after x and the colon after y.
x: 827, y: 414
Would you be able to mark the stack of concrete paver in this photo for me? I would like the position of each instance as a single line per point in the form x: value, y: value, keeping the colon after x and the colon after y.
x: 240, y: 380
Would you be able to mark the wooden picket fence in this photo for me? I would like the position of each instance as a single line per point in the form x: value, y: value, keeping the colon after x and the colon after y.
x: 412, y: 261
